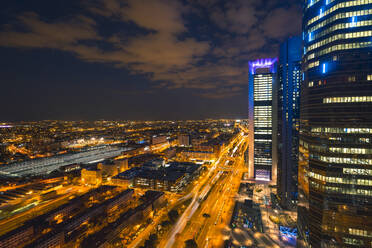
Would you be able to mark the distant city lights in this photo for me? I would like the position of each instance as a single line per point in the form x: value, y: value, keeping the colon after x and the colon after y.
x: 5, y: 126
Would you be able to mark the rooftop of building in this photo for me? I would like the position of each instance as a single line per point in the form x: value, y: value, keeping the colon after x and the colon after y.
x: 206, y: 152
x: 162, y: 174
x: 100, y: 237
x: 187, y: 167
x: 15, y: 231
x: 173, y: 172
x: 44, y: 238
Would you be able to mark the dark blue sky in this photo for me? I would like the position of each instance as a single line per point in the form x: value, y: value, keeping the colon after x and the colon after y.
x: 135, y: 59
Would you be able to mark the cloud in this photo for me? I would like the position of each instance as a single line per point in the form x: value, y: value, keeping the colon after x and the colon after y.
x: 59, y: 35
x: 165, y: 49
x: 283, y: 22
x: 236, y: 16
x: 160, y: 54
x: 156, y: 15
x: 226, y: 92
x: 159, y: 15
x: 247, y: 16
x: 157, y: 54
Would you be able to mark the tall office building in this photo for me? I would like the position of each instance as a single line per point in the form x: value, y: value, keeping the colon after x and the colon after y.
x: 262, y: 117
x: 335, y: 160
x: 289, y: 79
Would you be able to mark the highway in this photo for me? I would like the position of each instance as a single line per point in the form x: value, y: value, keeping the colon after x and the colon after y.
x: 212, y: 230
x: 207, y: 222
x: 190, y: 210
x: 197, y: 193
x: 150, y: 228
x: 207, y: 196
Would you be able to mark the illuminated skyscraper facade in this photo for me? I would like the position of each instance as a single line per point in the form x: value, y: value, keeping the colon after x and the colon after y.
x: 262, y: 119
x: 289, y: 79
x: 335, y: 160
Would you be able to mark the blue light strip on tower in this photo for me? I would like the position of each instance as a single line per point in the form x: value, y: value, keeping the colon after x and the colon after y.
x: 353, y: 21
x: 262, y: 63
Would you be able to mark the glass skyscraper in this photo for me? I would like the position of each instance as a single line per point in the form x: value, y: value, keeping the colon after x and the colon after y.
x: 262, y: 119
x: 289, y: 79
x: 335, y: 160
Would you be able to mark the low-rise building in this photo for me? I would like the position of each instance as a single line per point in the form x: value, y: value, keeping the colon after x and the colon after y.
x: 125, y: 179
x: 183, y: 140
x: 162, y: 180
x: 53, y: 239
x: 111, y: 168
x: 17, y: 236
x: 64, y: 211
x: 156, y: 198
x: 154, y: 164
x: 170, y: 153
x: 120, y: 201
x: 172, y: 178
x: 107, y: 236
x: 122, y: 164
x: 91, y: 176
x: 158, y: 139
x: 190, y: 155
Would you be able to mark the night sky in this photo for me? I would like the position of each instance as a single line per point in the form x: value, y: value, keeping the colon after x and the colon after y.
x: 135, y: 59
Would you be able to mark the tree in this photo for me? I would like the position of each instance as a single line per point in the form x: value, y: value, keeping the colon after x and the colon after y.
x: 205, y: 215
x: 152, y: 241
x: 173, y: 215
x: 165, y: 223
x: 190, y: 243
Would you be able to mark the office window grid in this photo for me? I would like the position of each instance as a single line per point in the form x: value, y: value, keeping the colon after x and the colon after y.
x: 341, y: 130
x: 341, y: 180
x: 347, y: 99
x: 343, y: 36
x: 263, y: 87
x: 342, y: 160
x: 341, y: 26
x: 339, y: 16
x: 338, y: 6
x: 312, y: 2
x: 340, y: 47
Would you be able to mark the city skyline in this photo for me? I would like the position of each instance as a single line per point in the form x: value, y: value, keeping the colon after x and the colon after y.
x: 72, y: 60
x: 216, y: 124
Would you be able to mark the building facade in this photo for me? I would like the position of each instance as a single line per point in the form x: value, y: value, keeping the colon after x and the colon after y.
x: 262, y: 115
x: 158, y: 139
x: 289, y: 79
x: 91, y: 176
x: 335, y: 160
x: 183, y: 140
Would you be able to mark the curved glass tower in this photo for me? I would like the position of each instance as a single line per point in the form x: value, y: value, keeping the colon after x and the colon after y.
x: 335, y: 160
